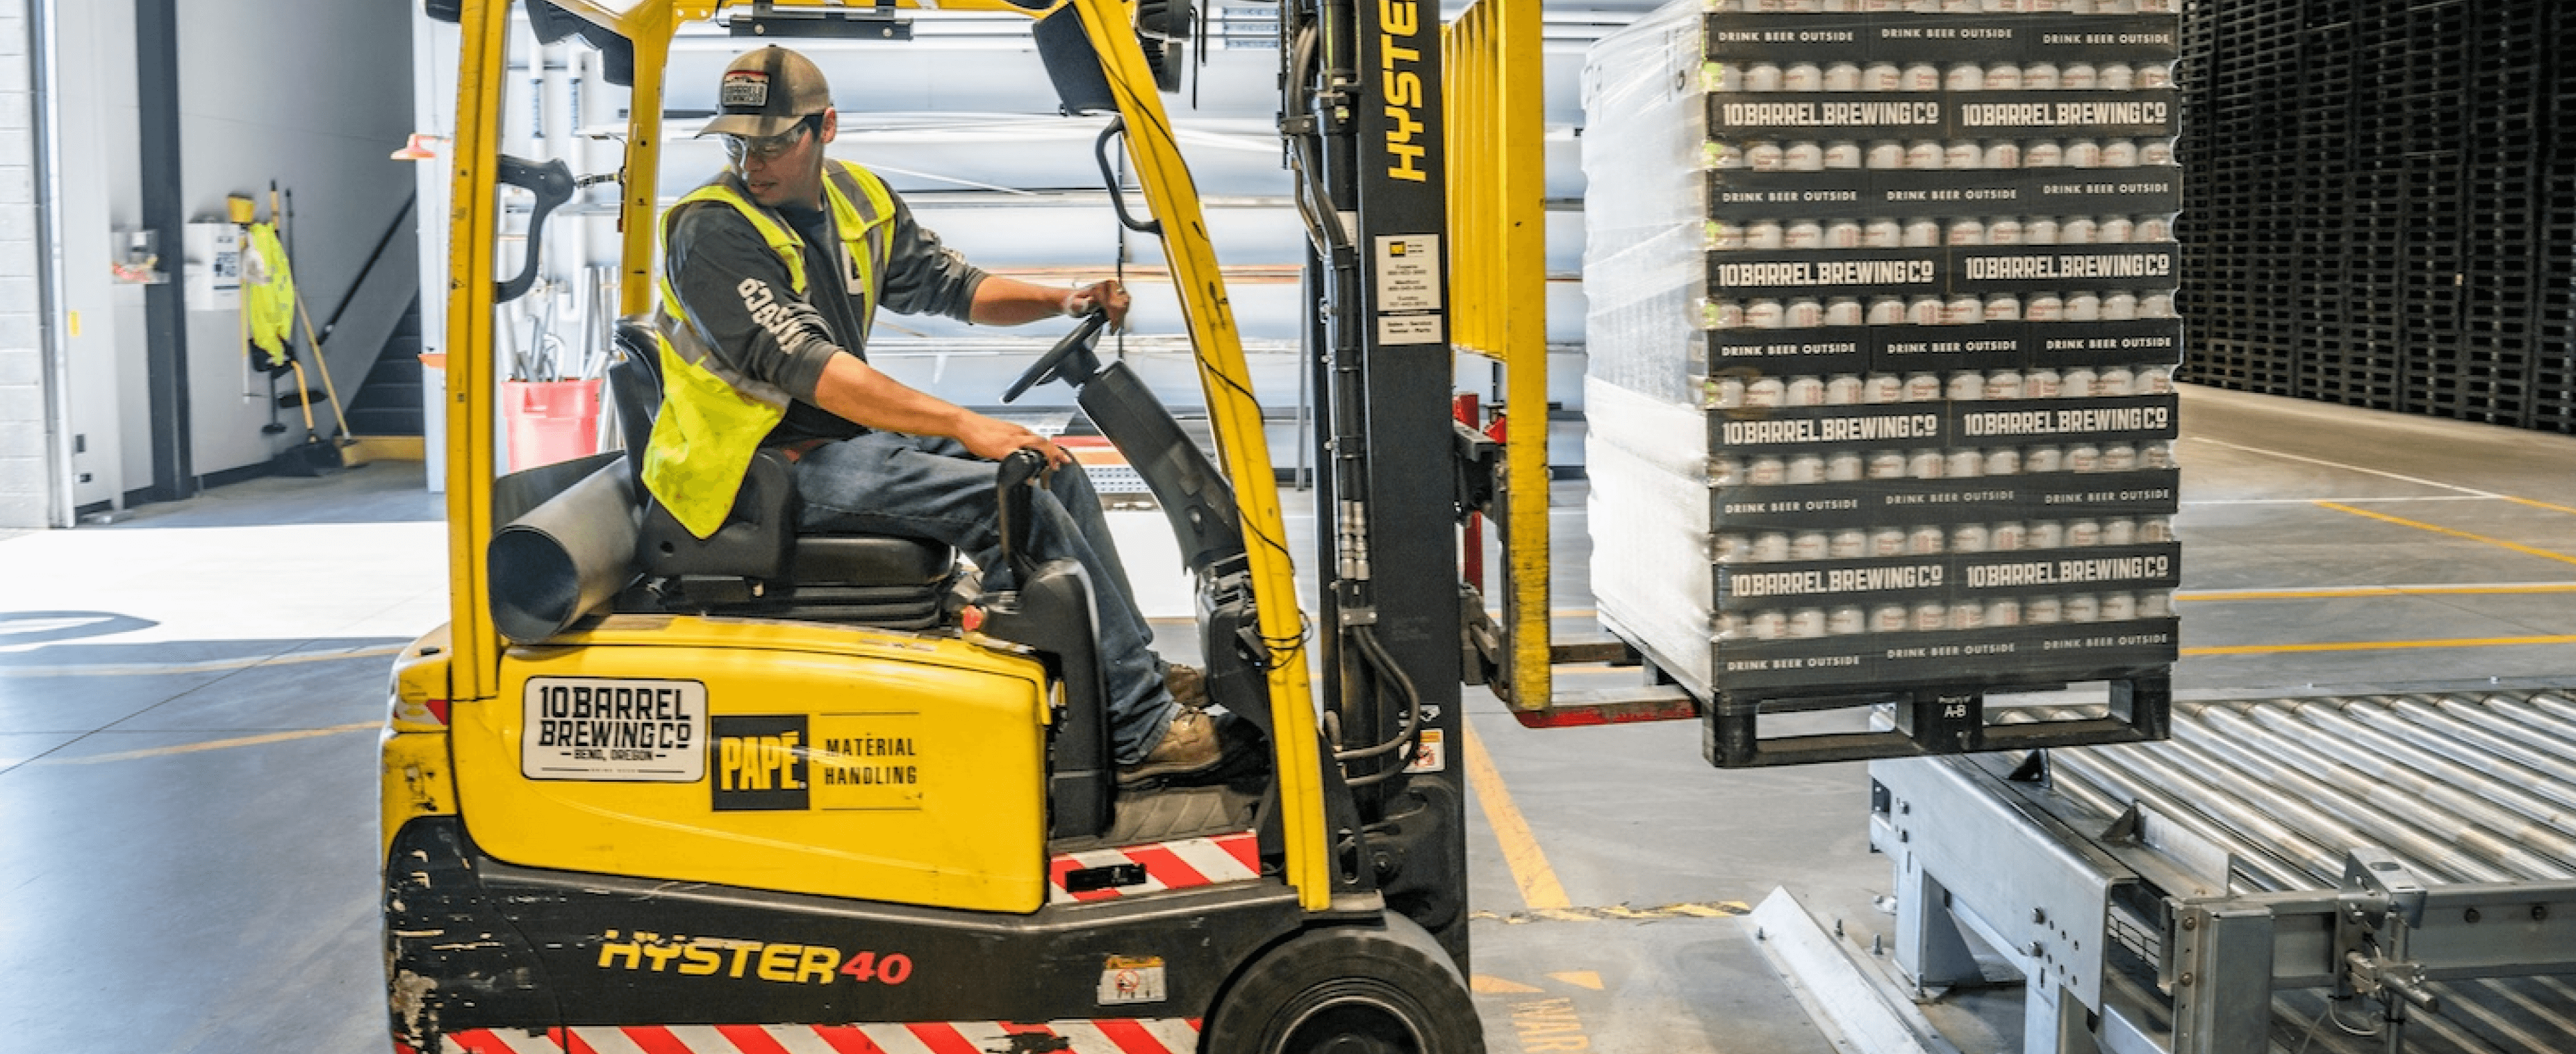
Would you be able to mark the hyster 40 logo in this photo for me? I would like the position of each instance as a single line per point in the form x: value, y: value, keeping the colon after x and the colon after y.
x: 760, y: 762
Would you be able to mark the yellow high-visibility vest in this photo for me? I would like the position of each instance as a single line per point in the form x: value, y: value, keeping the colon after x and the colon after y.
x: 713, y: 417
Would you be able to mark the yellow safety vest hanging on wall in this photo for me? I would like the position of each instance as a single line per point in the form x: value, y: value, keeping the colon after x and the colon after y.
x: 268, y: 295
x: 713, y: 418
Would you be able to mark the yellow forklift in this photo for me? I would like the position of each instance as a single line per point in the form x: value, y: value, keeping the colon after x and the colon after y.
x: 761, y: 792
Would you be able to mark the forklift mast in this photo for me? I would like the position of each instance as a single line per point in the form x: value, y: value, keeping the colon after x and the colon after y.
x: 1361, y: 118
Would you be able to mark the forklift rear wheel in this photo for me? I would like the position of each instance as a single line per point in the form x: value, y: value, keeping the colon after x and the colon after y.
x: 1350, y: 990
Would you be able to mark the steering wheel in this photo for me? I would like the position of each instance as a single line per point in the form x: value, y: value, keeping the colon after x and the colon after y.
x: 1073, y: 350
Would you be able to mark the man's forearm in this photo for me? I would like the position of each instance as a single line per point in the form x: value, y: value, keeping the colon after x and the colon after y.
x: 857, y: 392
x: 1003, y: 301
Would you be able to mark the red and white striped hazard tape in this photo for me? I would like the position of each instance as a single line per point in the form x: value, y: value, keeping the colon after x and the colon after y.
x: 1168, y: 865
x: 1167, y: 1035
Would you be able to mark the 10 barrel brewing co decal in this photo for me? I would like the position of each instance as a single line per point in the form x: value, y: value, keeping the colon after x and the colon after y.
x: 614, y: 730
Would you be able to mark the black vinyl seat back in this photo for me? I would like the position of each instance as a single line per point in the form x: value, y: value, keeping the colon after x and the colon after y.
x: 757, y: 563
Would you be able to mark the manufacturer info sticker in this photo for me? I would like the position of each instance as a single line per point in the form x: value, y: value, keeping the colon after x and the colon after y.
x: 1125, y: 979
x: 614, y: 730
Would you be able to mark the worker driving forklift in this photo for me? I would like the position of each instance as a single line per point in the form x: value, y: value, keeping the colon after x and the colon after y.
x: 717, y: 754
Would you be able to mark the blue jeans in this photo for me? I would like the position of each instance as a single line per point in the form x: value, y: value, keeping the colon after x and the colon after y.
x: 930, y: 487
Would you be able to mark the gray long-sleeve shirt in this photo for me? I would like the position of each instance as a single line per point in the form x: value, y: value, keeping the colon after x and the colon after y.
x: 727, y: 277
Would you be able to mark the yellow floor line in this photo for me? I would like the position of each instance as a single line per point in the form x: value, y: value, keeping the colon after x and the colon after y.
x: 1530, y: 870
x: 214, y: 744
x: 143, y: 669
x: 2338, y: 592
x: 2499, y: 542
x: 2377, y: 645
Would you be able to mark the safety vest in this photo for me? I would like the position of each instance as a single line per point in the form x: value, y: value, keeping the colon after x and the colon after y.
x: 713, y: 417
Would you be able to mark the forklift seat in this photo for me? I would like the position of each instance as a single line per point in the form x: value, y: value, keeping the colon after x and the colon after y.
x: 757, y: 563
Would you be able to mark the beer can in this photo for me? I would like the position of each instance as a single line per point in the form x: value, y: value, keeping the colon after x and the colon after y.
x: 1803, y: 312
x: 2043, y: 534
x: 2003, y: 461
x: 1922, y: 233
x: 2081, y: 306
x: 2156, y: 305
x: 1843, y: 310
x: 1921, y: 76
x: 1765, y: 314
x: 1931, y: 615
x: 1806, y: 622
x: 1803, y: 156
x: 2039, y: 230
x: 2043, y: 458
x: 2003, y: 76
x: 1846, y: 620
x: 1804, y: 391
x: 1962, y: 154
x: 2003, y: 384
x: 2078, y: 76
x: 1968, y: 538
x: 2118, y: 76
x: 1966, y: 386
x: 2004, y: 230
x: 1765, y: 234
x: 1879, y: 389
x: 1925, y: 463
x: 2004, y: 612
x: 1842, y: 389
x: 1842, y: 154
x: 1924, y: 311
x: 1842, y: 76
x: 1808, y: 545
x: 2155, y: 603
x: 2042, y: 153
x: 1964, y: 309
x: 1886, y: 311
x: 1768, y: 625
x: 1967, y: 616
x: 2115, y: 380
x: 1887, y: 541
x: 1888, y: 464
x: 1850, y: 543
x: 2120, y: 153
x: 2113, y: 230
x: 1843, y: 467
x: 2001, y: 153
x: 2118, y: 531
x: 2042, y: 383
x: 1762, y: 77
x: 1764, y: 156
x: 2080, y: 153
x: 1889, y: 618
x: 2043, y: 611
x: 1802, y: 234
x: 1924, y: 155
x: 1964, y: 77
x: 1764, y: 392
x: 2039, y: 76
x: 2083, y: 607
x: 1804, y: 470
x: 2007, y: 537
x: 2003, y: 307
x: 2082, y: 457
x: 1843, y: 234
x: 2083, y: 534
x: 1963, y: 464
x: 1886, y: 154
x: 1882, y: 76
x: 1771, y: 547
x: 1802, y: 76
x: 2119, y: 306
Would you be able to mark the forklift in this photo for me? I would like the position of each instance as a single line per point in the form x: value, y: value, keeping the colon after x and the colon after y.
x: 762, y: 792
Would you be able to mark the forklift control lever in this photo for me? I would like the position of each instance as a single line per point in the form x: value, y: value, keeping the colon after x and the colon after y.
x: 553, y: 185
x: 1015, y: 496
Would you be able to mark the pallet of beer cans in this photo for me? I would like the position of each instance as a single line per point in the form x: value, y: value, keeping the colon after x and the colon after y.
x: 1882, y: 342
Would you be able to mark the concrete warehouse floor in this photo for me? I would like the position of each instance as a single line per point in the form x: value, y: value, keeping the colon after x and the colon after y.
x: 187, y: 792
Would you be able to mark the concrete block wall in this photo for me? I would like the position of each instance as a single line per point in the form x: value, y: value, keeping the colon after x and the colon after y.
x: 24, y: 498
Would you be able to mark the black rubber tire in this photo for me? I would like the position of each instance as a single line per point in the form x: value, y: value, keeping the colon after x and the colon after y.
x: 1349, y: 990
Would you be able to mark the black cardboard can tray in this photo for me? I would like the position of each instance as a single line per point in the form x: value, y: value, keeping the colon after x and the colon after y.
x: 1993, y: 656
x: 1827, y: 350
x: 2139, y: 113
x: 1951, y: 578
x: 1737, y: 194
x: 1893, y: 36
x: 1793, y: 430
x: 1787, y: 274
x: 2029, y: 496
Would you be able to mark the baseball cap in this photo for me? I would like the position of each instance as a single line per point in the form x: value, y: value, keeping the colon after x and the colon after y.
x: 766, y: 91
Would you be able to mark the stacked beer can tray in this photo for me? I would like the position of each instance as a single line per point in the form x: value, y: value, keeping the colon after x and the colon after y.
x: 1882, y: 340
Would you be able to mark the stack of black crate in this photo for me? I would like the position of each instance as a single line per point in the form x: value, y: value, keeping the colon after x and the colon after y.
x: 1929, y: 355
x: 2371, y: 190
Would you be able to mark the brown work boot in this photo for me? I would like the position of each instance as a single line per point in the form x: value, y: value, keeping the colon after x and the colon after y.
x: 1187, y: 684
x: 1190, y: 746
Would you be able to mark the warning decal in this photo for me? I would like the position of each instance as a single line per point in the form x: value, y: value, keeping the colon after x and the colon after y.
x: 614, y: 730
x: 1137, y: 979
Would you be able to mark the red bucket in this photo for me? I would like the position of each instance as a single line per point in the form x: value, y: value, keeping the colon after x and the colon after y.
x: 550, y: 421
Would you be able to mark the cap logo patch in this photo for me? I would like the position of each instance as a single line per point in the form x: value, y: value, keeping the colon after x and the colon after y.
x: 745, y: 88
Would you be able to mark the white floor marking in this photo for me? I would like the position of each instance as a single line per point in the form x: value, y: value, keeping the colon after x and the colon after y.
x: 2348, y: 468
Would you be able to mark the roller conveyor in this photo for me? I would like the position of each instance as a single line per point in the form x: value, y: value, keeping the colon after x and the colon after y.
x: 2348, y: 873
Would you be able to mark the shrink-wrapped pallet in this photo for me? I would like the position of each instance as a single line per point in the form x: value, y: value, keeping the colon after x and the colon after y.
x: 1881, y: 340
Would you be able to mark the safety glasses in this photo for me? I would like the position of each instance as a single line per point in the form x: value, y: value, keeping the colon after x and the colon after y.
x: 766, y: 147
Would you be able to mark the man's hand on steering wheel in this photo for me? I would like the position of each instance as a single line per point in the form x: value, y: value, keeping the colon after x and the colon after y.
x: 993, y: 439
x: 1109, y: 295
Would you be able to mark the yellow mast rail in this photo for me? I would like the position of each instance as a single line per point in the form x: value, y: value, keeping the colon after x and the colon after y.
x: 1498, y: 282
x: 1223, y: 375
